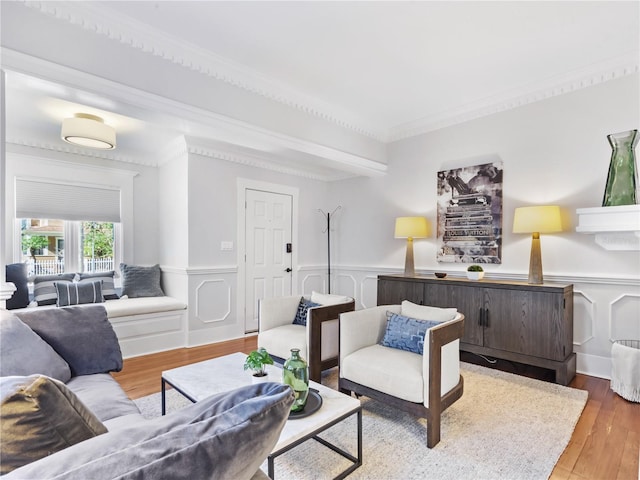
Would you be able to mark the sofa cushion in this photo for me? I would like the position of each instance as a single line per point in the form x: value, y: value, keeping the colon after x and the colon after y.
x: 223, y: 436
x: 38, y: 417
x: 23, y: 352
x: 44, y: 290
x: 108, y: 285
x: 82, y: 335
x: 75, y: 293
x: 140, y: 281
x: 16, y: 273
x: 301, y: 313
x: 406, y: 333
x: 425, y: 312
x: 328, y: 298
x: 102, y: 394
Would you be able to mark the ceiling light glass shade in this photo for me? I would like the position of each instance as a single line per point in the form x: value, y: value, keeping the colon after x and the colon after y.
x: 541, y: 219
x: 411, y: 227
x: 88, y: 131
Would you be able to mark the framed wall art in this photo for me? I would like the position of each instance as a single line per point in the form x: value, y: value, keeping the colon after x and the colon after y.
x: 470, y: 214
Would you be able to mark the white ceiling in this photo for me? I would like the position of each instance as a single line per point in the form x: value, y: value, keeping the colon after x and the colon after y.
x: 393, y: 69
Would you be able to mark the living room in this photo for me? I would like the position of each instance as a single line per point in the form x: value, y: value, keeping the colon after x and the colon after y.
x: 210, y: 134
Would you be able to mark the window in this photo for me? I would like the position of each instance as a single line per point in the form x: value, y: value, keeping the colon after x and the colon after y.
x: 92, y: 246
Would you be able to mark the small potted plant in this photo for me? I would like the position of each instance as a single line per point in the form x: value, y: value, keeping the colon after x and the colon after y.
x: 475, y: 272
x: 256, y: 362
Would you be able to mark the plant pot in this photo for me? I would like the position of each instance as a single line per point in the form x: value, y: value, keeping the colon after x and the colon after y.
x: 475, y: 275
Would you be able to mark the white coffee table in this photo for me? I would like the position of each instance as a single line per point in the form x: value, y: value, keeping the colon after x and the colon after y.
x: 203, y: 379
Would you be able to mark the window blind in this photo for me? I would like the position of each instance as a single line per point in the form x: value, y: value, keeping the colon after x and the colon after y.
x: 42, y: 199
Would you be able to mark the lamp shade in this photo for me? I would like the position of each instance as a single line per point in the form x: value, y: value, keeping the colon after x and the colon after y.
x: 411, y: 227
x: 88, y: 131
x: 540, y: 219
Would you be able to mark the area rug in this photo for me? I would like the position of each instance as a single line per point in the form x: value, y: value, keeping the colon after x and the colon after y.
x: 505, y: 426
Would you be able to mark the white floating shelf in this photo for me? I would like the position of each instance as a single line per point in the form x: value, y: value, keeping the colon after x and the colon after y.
x: 615, y: 228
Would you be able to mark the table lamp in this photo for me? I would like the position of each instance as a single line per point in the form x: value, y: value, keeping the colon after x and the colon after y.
x: 536, y: 220
x: 410, y: 228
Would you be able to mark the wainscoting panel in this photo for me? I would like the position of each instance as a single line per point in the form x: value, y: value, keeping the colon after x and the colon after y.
x: 150, y: 333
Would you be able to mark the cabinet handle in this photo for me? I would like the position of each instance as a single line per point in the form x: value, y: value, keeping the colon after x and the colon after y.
x: 481, y: 317
x: 486, y: 317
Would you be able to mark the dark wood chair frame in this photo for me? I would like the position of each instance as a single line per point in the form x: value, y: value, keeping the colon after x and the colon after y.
x: 438, y: 337
x: 317, y: 316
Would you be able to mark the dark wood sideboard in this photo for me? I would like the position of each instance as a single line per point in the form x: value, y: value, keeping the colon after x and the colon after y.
x: 516, y: 321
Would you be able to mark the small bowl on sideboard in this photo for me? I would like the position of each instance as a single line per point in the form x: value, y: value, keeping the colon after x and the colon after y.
x: 440, y: 274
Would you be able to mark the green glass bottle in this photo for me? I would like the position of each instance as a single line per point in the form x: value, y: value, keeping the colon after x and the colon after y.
x: 295, y: 373
x: 622, y: 180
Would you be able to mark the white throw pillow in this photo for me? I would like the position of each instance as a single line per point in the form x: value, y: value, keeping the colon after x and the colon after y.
x: 328, y: 299
x: 424, y: 312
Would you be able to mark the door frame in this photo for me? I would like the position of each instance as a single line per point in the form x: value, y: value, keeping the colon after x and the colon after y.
x: 244, y: 184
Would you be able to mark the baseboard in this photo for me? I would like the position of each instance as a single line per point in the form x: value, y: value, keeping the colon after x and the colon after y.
x: 594, y: 365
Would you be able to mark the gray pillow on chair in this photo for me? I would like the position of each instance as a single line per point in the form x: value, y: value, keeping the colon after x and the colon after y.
x: 82, y: 335
x: 225, y: 436
x: 23, y: 352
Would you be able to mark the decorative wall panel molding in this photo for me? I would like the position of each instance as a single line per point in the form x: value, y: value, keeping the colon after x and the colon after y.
x: 213, y: 301
x: 317, y: 279
x: 618, y: 316
x: 369, y: 291
x: 584, y: 318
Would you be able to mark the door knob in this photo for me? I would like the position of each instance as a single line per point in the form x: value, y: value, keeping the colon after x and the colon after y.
x: 287, y: 270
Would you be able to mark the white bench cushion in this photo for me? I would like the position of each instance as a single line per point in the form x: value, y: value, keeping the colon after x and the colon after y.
x: 125, y: 307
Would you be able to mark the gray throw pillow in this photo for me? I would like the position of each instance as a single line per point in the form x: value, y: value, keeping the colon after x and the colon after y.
x: 82, y: 335
x: 225, y: 436
x: 139, y: 281
x: 44, y: 289
x: 108, y: 285
x: 75, y: 293
x: 40, y: 416
x: 23, y: 352
x: 16, y: 273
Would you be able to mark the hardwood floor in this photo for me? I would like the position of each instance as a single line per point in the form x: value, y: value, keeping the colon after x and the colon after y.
x: 605, y: 444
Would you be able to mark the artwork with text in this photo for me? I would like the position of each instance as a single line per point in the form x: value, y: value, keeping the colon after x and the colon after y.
x: 470, y: 214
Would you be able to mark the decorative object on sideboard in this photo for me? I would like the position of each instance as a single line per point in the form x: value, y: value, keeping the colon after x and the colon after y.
x: 536, y: 220
x: 86, y: 130
x: 469, y: 222
x: 622, y: 180
x: 475, y: 272
x: 410, y: 228
x: 440, y: 274
x: 257, y: 361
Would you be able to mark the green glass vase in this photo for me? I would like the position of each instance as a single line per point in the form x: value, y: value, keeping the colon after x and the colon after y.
x: 295, y: 373
x: 623, y: 173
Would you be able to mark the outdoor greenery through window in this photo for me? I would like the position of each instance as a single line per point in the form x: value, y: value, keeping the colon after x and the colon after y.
x: 55, y: 246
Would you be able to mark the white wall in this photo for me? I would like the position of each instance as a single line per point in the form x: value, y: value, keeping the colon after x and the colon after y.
x: 554, y: 152
x: 203, y: 274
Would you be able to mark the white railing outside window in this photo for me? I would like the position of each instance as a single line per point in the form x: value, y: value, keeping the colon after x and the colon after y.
x: 53, y: 266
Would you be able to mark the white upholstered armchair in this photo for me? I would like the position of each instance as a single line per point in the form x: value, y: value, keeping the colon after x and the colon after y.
x: 317, y: 341
x: 421, y: 384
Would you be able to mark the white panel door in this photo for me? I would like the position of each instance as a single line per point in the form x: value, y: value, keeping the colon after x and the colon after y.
x: 268, y: 264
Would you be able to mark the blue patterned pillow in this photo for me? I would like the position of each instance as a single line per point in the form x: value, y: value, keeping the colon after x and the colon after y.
x: 301, y: 314
x: 406, y: 333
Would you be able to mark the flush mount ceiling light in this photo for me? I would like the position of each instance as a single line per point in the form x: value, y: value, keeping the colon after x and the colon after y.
x: 88, y: 130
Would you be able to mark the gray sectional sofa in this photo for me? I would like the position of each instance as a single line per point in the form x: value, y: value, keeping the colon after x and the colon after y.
x: 64, y: 416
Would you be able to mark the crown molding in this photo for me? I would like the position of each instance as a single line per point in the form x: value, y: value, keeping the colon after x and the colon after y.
x: 16, y: 144
x: 195, y: 148
x: 127, y: 31
x: 104, y: 21
x: 69, y: 77
x: 612, y: 69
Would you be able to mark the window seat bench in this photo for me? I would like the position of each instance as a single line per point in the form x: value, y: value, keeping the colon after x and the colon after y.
x: 145, y: 324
